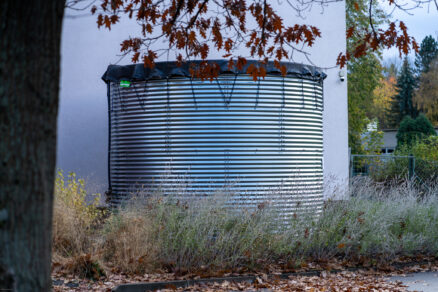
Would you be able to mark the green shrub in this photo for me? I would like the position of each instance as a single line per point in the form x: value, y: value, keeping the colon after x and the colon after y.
x: 426, y: 149
x: 411, y: 131
x: 372, y: 142
x: 425, y: 152
x: 389, y: 169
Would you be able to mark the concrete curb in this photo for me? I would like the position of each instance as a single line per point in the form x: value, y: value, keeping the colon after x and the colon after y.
x: 153, y: 286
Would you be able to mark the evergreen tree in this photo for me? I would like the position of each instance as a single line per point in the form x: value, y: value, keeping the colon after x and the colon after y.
x: 425, y: 126
x: 411, y: 130
x: 402, y: 104
x: 428, y: 51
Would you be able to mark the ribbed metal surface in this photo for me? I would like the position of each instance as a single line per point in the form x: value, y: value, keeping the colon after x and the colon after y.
x: 264, y: 138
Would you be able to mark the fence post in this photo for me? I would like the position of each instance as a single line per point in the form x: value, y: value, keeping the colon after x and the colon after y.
x: 411, y: 169
x: 351, y: 165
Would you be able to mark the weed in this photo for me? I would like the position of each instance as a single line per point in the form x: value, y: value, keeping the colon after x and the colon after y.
x: 155, y: 232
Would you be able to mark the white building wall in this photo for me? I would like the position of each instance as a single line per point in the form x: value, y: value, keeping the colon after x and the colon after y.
x: 390, y: 138
x: 87, y: 51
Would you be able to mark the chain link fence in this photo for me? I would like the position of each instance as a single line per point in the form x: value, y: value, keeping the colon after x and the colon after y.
x: 390, y: 168
x: 426, y: 171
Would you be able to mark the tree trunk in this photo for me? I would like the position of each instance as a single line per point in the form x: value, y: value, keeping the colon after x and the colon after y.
x: 30, y: 34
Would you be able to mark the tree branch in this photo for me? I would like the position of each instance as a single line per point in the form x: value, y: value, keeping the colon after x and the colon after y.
x: 177, y: 12
x: 264, y: 22
x: 370, y: 12
x: 195, y: 17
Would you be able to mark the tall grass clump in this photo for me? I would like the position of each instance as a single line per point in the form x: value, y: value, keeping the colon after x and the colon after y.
x: 164, y: 232
x: 208, y: 234
x: 389, y: 222
x: 74, y: 218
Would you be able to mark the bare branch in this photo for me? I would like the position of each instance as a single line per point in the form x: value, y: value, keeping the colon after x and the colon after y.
x: 370, y: 17
x: 74, y: 4
x: 195, y: 17
x: 177, y: 12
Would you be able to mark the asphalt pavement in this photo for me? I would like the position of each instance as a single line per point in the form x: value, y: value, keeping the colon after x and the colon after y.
x: 424, y: 281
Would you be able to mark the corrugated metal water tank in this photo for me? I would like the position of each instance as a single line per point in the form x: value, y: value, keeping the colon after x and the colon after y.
x: 262, y: 139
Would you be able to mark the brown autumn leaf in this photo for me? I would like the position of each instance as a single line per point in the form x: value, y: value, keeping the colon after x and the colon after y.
x: 356, y: 6
x: 191, y: 34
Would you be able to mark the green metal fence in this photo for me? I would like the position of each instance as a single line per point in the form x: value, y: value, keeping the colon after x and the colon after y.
x: 383, y: 168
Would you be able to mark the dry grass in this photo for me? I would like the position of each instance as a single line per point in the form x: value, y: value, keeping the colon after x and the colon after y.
x: 128, y: 242
x: 161, y: 233
x: 74, y: 225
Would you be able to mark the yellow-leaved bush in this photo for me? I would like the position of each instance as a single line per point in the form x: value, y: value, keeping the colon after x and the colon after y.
x: 73, y: 216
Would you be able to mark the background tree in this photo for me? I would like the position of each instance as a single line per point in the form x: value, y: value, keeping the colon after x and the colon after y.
x: 414, y: 130
x: 426, y: 97
x: 426, y: 54
x: 391, y: 66
x: 29, y: 85
x: 363, y: 78
x: 383, y: 95
x: 364, y: 73
x: 402, y: 103
x: 372, y: 140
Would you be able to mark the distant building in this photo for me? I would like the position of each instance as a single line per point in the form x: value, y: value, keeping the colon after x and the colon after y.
x: 390, y: 140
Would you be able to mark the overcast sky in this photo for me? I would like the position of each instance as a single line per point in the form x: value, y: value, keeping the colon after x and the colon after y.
x: 422, y: 22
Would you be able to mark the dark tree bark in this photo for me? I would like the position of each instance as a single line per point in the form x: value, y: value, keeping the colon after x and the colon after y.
x: 30, y: 34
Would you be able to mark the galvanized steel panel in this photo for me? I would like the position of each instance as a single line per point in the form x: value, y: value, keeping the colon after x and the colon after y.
x: 264, y: 138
